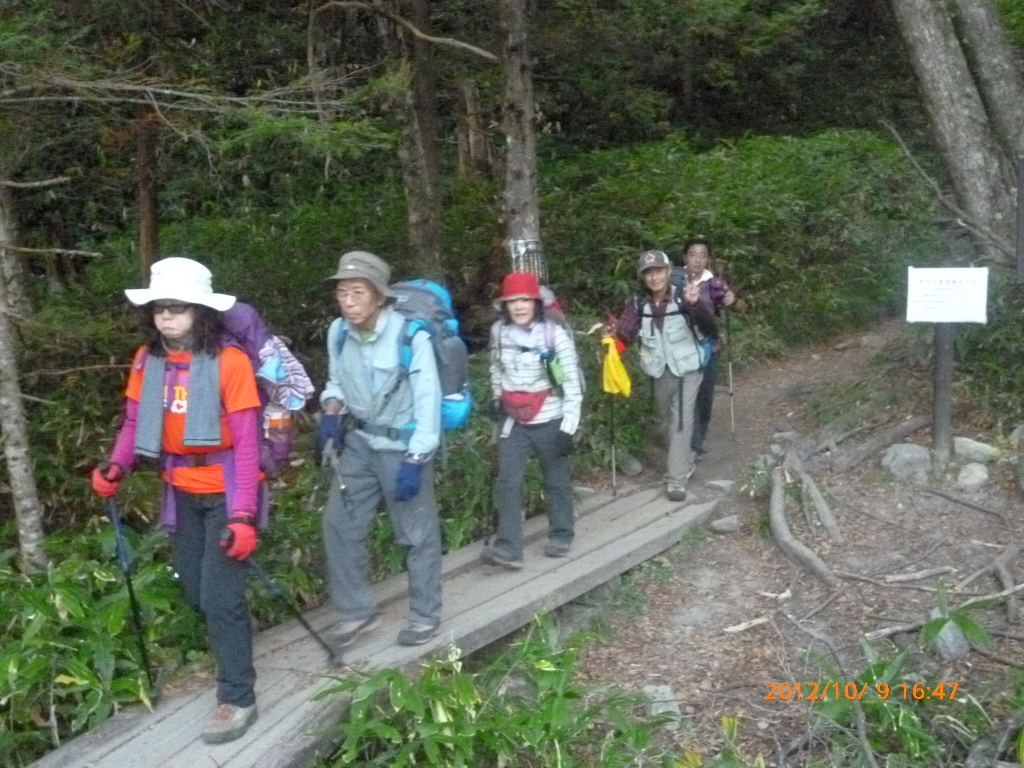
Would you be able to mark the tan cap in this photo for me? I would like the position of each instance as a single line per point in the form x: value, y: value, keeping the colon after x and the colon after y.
x: 365, y: 265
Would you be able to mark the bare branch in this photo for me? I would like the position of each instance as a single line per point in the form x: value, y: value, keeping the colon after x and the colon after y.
x: 58, y: 251
x: 34, y: 184
x: 962, y: 218
x: 416, y: 31
x: 66, y: 371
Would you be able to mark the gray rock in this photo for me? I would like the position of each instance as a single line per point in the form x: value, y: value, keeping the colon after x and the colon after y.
x: 627, y: 464
x: 951, y: 643
x: 872, y: 341
x: 662, y: 700
x: 727, y: 524
x: 972, y: 476
x: 765, y: 463
x: 1017, y: 436
x: 908, y: 462
x: 583, y: 490
x: 973, y: 450
x: 721, y: 485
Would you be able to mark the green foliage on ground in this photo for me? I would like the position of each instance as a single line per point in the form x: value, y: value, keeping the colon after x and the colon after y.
x: 523, y: 708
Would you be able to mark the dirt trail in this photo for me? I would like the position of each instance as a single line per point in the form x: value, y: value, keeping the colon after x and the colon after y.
x: 699, y: 589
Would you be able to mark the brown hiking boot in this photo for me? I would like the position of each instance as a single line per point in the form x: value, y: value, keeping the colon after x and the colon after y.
x: 228, y: 723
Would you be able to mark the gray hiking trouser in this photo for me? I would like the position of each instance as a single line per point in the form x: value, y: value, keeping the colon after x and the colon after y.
x: 667, y: 393
x: 704, y: 403
x: 214, y: 584
x: 370, y: 477
x: 513, y: 453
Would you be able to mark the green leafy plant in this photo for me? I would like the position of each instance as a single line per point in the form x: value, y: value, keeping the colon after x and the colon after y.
x: 523, y: 708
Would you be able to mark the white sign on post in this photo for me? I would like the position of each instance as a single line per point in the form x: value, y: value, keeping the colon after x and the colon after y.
x: 947, y: 295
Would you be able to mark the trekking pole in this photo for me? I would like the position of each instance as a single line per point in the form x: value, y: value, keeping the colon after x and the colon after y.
x: 615, y: 484
x: 728, y: 349
x: 333, y: 658
x: 124, y: 563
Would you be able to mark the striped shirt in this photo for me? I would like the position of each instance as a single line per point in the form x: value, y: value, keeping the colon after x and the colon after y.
x: 516, y: 366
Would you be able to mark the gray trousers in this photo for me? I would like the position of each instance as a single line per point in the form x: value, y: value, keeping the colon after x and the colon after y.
x: 370, y: 477
x: 214, y: 584
x: 667, y: 393
x: 513, y: 453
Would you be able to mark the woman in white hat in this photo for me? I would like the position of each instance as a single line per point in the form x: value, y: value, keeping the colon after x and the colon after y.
x: 537, y: 385
x: 191, y: 405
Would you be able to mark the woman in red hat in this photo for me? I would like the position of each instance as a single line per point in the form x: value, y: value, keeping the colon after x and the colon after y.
x: 538, y: 388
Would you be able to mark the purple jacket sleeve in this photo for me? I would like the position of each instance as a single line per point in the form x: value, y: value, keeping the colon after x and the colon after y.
x: 247, y: 460
x: 123, y: 452
x: 628, y: 325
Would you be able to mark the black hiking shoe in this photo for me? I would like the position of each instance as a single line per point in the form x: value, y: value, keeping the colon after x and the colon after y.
x: 349, y: 631
x: 556, y: 548
x: 417, y: 634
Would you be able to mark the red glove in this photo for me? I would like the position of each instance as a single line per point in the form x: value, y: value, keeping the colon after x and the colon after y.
x: 239, y: 538
x: 106, y: 478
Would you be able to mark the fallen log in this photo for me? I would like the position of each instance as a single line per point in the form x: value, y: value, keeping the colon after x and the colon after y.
x: 793, y: 548
x: 870, y: 447
x: 927, y: 573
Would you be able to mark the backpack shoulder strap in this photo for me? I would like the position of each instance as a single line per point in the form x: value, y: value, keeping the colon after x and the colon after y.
x: 410, y: 327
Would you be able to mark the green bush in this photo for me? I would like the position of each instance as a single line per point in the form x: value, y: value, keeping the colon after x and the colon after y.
x: 524, y: 708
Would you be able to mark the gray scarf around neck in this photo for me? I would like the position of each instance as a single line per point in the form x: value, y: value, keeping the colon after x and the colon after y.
x: 202, y: 414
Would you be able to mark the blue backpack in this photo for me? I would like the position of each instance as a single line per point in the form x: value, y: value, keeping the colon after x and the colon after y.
x: 427, y: 306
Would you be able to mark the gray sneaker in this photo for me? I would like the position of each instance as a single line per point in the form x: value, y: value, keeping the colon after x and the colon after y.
x: 675, y: 492
x: 417, y: 634
x: 349, y: 631
x: 492, y: 556
x: 556, y: 548
x: 228, y: 723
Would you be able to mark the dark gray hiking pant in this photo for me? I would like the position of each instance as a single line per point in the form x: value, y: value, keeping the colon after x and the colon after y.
x: 370, y: 477
x: 214, y: 584
x: 513, y: 453
x: 704, y: 403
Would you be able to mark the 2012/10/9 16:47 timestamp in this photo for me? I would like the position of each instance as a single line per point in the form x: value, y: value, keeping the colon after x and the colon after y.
x: 852, y: 690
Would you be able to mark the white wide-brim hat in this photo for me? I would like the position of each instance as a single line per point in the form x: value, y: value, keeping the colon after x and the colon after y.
x: 182, y: 280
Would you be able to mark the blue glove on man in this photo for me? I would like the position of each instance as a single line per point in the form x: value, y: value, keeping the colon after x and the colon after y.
x: 331, y: 427
x: 408, y: 485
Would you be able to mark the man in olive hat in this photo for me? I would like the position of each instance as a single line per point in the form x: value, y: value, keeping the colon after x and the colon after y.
x: 389, y: 423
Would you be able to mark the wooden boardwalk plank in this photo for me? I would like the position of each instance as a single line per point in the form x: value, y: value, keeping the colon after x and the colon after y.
x: 482, y: 604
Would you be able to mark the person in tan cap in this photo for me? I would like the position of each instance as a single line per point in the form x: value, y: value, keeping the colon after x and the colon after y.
x: 666, y: 320
x: 389, y: 424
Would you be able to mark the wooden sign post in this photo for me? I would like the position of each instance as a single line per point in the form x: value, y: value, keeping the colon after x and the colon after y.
x: 945, y: 296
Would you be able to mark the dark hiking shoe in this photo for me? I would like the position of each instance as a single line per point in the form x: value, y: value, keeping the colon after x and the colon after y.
x: 556, y: 549
x: 417, y: 634
x: 228, y: 723
x: 349, y: 631
x: 492, y: 556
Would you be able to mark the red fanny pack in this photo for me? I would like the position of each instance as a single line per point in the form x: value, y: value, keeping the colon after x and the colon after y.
x: 524, y: 406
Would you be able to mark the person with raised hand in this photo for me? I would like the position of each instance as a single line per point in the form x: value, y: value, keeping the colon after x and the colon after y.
x: 666, y: 319
x: 191, y: 406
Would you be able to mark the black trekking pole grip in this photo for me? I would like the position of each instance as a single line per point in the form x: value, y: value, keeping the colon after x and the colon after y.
x: 121, y: 553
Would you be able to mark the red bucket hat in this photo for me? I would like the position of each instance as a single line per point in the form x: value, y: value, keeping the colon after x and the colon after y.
x: 518, y: 285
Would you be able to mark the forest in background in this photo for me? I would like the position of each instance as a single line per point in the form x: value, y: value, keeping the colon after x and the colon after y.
x: 265, y: 139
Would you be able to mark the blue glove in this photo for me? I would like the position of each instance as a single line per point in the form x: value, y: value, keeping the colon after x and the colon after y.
x: 408, y: 485
x: 330, y: 428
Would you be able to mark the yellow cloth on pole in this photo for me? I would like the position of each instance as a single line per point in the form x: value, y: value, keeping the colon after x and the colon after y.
x: 614, y: 378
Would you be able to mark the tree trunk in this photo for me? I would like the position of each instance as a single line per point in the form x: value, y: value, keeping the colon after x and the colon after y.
x: 424, y: 91
x: 421, y: 198
x: 474, y: 149
x: 961, y: 124
x: 522, y: 211
x: 25, y: 498
x: 995, y: 71
x: 146, y: 178
x: 12, y: 272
